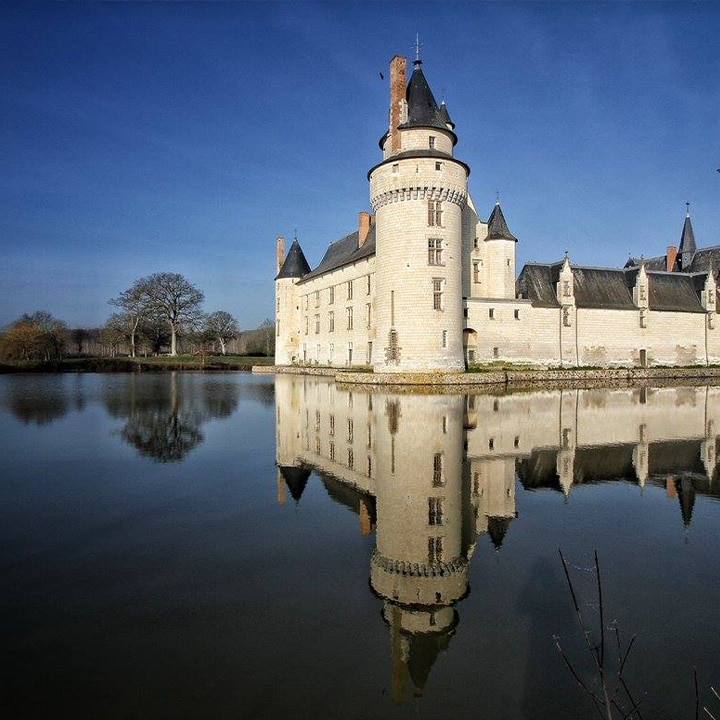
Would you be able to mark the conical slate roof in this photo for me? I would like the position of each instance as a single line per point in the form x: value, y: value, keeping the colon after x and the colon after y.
x: 687, y: 248
x: 296, y: 479
x: 295, y: 265
x: 446, y: 115
x: 497, y: 227
x: 423, y: 110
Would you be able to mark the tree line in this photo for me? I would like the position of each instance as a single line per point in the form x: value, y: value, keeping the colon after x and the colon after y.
x: 160, y: 313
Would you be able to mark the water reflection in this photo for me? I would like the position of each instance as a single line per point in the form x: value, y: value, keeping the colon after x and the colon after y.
x: 432, y: 474
x: 164, y: 413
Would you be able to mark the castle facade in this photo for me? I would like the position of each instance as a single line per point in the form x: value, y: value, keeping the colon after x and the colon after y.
x: 426, y: 285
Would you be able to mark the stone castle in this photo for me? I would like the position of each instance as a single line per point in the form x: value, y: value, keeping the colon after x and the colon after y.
x: 426, y: 285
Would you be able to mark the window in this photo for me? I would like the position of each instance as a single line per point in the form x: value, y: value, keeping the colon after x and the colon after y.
x: 476, y: 272
x: 475, y: 243
x: 317, y: 298
x: 438, y: 476
x: 438, y: 166
x: 317, y: 421
x: 317, y: 324
x: 331, y: 321
x: 435, y: 512
x: 349, y: 318
x: 331, y: 352
x: 351, y: 458
x: 491, y: 313
x: 367, y: 315
x: 434, y: 213
x: 367, y: 291
x: 307, y: 302
x: 349, y: 290
x: 350, y: 430
x: 517, y: 314
x: 431, y: 142
x: 437, y: 294
x: 567, y: 320
x: 444, y: 338
x: 369, y: 466
x: 306, y: 324
x: 332, y: 425
x: 396, y: 168
x: 332, y: 450
x: 435, y: 550
x: 435, y: 251
x: 317, y: 445
x: 350, y: 350
x: 332, y: 295
x: 566, y: 288
x: 369, y: 353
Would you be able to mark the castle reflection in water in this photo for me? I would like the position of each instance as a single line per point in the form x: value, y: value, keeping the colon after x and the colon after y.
x: 432, y: 473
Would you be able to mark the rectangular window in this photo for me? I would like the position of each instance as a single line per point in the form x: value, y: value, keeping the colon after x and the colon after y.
x: 566, y: 288
x: 437, y: 294
x: 349, y: 318
x: 332, y: 295
x: 367, y: 292
x: 396, y: 168
x: 517, y: 314
x: 317, y: 324
x: 438, y: 166
x: 367, y: 315
x: 435, y: 251
x: 434, y: 213
x: 306, y: 324
x: 431, y: 142
x: 476, y: 272
x: 317, y: 298
x: 438, y: 475
x: 332, y: 425
x: 332, y: 451
x: 491, y: 313
x: 351, y: 458
x: 444, y: 338
x: 331, y: 352
x: 435, y: 550
x: 369, y: 353
x: 349, y: 290
x: 435, y: 511
x: 317, y: 421
x: 475, y: 243
x: 317, y: 445
x: 331, y: 321
x: 350, y: 430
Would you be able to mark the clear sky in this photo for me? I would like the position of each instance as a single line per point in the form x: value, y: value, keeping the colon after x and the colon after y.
x: 185, y: 137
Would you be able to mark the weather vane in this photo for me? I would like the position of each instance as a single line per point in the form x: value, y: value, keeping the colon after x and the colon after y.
x: 417, y: 47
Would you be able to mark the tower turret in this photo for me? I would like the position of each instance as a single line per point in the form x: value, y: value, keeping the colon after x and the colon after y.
x: 687, y: 248
x: 287, y: 302
x: 418, y: 193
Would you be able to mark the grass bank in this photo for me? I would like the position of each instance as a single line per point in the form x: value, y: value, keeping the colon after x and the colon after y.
x: 143, y: 364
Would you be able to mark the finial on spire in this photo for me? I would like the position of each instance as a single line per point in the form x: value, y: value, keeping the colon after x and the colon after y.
x: 497, y: 197
x: 295, y: 234
x: 687, y: 209
x: 418, y: 61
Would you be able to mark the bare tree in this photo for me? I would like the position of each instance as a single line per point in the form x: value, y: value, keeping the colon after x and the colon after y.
x: 221, y: 326
x: 135, y: 302
x: 175, y: 299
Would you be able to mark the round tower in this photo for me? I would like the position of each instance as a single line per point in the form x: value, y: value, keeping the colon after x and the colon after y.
x: 418, y: 193
x: 287, y: 302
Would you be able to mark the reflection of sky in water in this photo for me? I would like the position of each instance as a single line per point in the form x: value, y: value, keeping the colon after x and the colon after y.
x: 212, y: 587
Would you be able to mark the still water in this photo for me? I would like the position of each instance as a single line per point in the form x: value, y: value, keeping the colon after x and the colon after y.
x: 230, y: 546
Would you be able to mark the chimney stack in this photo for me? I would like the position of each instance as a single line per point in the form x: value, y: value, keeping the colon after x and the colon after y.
x: 280, y: 253
x: 398, y: 99
x: 365, y: 222
x: 670, y: 258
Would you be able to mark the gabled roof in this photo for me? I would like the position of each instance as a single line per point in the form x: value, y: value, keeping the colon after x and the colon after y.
x: 295, y: 265
x: 343, y: 252
x: 497, y: 227
x: 612, y: 289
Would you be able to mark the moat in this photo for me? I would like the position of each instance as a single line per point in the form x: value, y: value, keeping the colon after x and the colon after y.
x: 225, y: 545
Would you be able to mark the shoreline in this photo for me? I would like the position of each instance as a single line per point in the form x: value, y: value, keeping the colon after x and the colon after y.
x: 515, y: 379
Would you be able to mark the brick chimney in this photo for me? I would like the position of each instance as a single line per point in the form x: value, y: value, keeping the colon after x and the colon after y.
x: 280, y: 252
x: 398, y: 99
x: 670, y: 258
x: 365, y: 222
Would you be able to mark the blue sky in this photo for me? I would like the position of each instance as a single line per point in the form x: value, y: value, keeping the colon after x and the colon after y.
x: 185, y: 137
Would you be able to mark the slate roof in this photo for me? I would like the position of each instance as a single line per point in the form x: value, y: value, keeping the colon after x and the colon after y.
x: 295, y: 265
x: 446, y: 115
x: 687, y: 247
x: 497, y: 226
x: 343, y: 252
x: 611, y: 289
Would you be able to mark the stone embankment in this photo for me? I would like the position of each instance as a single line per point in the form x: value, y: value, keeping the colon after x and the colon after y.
x: 556, y: 377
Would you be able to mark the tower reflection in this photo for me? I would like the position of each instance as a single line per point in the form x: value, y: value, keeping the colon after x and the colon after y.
x: 432, y: 474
